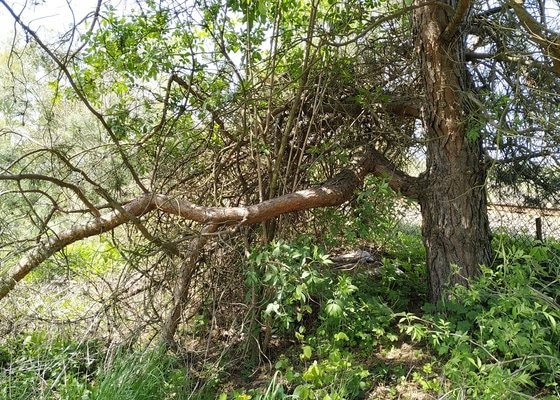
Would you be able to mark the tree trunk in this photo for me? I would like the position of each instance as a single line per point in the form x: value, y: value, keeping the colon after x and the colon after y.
x: 182, y: 289
x: 453, y: 200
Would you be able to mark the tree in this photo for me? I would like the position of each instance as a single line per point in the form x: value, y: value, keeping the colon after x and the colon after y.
x: 455, y: 222
x: 184, y: 92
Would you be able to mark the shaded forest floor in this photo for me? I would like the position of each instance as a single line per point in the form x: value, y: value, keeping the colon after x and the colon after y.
x: 320, y: 330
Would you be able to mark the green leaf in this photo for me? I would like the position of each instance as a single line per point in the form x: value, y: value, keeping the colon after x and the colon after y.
x: 551, y: 319
x: 341, y: 336
x: 302, y: 392
x: 313, y: 374
x: 307, y: 351
x: 334, y: 309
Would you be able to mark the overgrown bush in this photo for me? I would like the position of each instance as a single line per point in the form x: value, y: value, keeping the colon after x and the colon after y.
x: 332, y: 315
x: 328, y: 331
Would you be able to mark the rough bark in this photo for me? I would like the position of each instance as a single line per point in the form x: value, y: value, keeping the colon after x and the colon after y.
x: 453, y: 201
x: 334, y: 192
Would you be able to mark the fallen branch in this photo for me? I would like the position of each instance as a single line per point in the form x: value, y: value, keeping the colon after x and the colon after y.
x: 334, y: 192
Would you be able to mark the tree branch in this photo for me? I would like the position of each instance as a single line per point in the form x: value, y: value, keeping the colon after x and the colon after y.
x: 458, y: 17
x: 403, y: 108
x: 81, y: 95
x: 521, y: 158
x: 385, y: 18
x: 548, y: 40
x: 508, y: 58
x: 398, y: 105
x: 51, y: 245
x: 56, y: 181
x: 491, y: 11
x: 399, y: 181
x: 333, y: 192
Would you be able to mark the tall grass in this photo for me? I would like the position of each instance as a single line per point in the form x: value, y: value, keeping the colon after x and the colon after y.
x: 150, y: 375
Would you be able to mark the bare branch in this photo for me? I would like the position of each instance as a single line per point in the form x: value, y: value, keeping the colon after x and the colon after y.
x: 386, y: 18
x: 508, y: 58
x: 78, y: 92
x: 399, y: 106
x: 56, y: 181
x: 183, y: 286
x: 548, y: 40
x: 51, y: 245
x: 491, y: 11
x: 524, y: 157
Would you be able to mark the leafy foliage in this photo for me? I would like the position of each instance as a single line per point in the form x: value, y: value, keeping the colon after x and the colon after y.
x: 500, y: 337
x: 236, y: 102
x: 497, y: 338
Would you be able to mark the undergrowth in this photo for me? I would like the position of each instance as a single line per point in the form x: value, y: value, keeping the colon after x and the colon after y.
x: 499, y: 338
x: 334, y: 334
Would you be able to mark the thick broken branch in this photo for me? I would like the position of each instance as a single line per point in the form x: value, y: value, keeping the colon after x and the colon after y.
x: 399, y: 181
x: 334, y: 192
x: 51, y: 245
